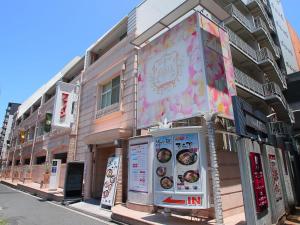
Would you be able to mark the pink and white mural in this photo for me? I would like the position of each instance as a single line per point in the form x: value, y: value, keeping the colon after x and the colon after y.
x: 172, y: 80
x: 219, y: 68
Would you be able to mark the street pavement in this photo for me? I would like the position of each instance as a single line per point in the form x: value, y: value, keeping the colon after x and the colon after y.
x: 19, y: 208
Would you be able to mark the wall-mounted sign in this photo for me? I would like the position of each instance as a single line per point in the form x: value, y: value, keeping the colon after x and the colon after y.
x: 275, y: 177
x: 138, y: 168
x: 258, y: 180
x: 180, y: 179
x: 249, y: 122
x: 64, y: 103
x: 110, y: 182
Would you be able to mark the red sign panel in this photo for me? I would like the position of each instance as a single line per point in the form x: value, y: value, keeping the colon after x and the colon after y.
x: 259, y: 187
x: 64, y: 103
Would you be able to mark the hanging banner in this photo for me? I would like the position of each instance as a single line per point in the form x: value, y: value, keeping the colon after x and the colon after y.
x: 64, y: 104
x: 259, y: 186
x: 275, y: 177
x: 138, y: 168
x: 180, y: 169
x: 110, y: 182
x: 185, y: 72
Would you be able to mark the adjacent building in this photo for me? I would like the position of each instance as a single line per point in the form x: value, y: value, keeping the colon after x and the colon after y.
x: 35, y: 141
x: 6, y: 130
x: 295, y: 42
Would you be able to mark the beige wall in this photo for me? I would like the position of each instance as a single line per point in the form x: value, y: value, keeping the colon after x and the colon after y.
x: 103, y: 70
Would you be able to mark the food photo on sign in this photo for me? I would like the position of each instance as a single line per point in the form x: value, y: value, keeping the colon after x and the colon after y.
x: 164, y: 163
x: 186, y: 148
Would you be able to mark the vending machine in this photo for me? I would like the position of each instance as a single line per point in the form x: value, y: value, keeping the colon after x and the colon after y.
x: 55, y: 174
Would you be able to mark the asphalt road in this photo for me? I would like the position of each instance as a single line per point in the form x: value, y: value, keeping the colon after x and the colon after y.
x: 19, y: 208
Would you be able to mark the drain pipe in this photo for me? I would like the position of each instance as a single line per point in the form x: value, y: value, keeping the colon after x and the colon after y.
x: 210, y: 119
x: 79, y: 86
x: 135, y: 75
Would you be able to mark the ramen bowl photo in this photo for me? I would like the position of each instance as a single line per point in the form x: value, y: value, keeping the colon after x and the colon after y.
x: 164, y: 155
x: 166, y: 182
x: 191, y: 176
x: 186, y: 157
x: 161, y: 171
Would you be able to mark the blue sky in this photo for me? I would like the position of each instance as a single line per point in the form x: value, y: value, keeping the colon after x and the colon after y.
x: 37, y: 38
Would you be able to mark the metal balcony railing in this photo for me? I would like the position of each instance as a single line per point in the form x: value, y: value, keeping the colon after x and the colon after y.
x: 260, y: 24
x: 265, y: 55
x: 279, y: 128
x: 262, y: 90
x: 242, y: 45
x: 248, y: 82
x: 264, y: 12
x: 234, y: 12
x: 274, y: 89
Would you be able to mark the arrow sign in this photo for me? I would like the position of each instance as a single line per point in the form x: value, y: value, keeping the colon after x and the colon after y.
x: 174, y: 201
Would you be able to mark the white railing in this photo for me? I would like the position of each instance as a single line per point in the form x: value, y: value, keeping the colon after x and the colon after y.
x: 260, y: 24
x: 248, y: 82
x: 265, y: 14
x: 242, y: 45
x: 263, y: 90
x: 231, y: 9
x: 273, y: 89
x: 265, y: 55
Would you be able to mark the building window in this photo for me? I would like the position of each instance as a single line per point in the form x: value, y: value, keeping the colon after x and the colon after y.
x: 40, y: 160
x: 110, y: 93
x: 62, y: 156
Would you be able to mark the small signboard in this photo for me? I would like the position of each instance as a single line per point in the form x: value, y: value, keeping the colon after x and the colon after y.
x: 73, y: 180
x: 138, y: 168
x: 55, y: 174
x: 110, y: 182
x: 180, y: 169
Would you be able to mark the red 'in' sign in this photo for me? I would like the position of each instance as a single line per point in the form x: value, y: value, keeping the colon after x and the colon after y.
x: 194, y: 200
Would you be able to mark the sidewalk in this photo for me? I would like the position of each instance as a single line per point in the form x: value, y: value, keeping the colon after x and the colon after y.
x: 122, y: 214
x: 294, y: 218
x: 34, y: 189
x: 92, y: 208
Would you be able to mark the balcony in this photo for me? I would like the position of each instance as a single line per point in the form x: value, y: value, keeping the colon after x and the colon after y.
x: 268, y: 64
x: 279, y: 128
x: 258, y: 9
x: 269, y: 92
x: 249, y: 84
x: 107, y: 110
x: 242, y: 46
x: 267, y: 7
x: 274, y: 96
x: 238, y: 20
x: 262, y: 33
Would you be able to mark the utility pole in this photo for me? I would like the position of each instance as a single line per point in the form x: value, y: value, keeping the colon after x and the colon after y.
x: 210, y: 120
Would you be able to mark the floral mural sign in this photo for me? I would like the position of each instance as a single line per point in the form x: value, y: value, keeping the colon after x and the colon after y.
x: 173, y: 82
